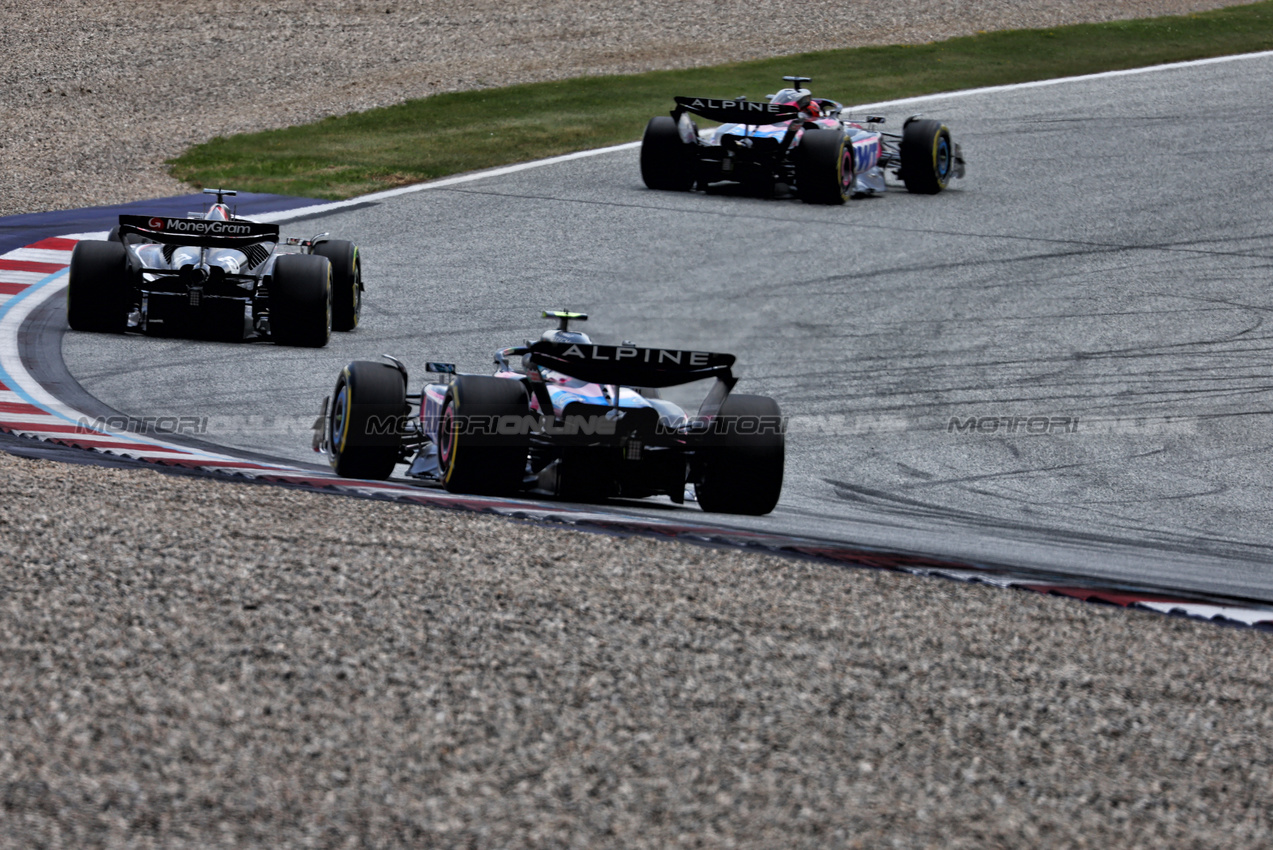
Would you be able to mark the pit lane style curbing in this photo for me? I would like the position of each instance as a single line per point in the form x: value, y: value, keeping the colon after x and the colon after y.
x: 43, y: 423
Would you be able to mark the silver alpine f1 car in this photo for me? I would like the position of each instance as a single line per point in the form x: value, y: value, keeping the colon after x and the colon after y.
x: 214, y: 275
x: 562, y: 416
x: 795, y: 141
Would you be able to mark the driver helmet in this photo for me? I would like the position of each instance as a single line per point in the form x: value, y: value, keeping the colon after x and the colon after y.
x: 802, y: 99
x: 566, y: 337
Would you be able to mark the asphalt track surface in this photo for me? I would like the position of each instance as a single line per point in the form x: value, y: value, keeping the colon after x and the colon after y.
x: 1107, y: 260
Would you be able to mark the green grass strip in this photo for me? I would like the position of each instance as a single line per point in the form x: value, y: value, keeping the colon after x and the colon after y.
x: 425, y: 139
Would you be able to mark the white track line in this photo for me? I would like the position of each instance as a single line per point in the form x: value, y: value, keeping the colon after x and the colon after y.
x: 1058, y: 81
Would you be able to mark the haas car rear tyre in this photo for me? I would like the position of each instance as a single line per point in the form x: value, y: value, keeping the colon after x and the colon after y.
x: 301, y: 300
x: 366, y: 419
x: 666, y: 160
x: 824, y: 167
x: 346, y: 282
x: 743, y: 458
x: 483, y: 435
x: 927, y: 156
x: 99, y: 294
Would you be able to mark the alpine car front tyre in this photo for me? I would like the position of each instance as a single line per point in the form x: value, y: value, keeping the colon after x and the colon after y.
x: 346, y: 282
x: 99, y: 292
x: 665, y: 157
x: 365, y: 422
x: 743, y: 458
x: 483, y: 435
x: 824, y: 167
x: 301, y: 300
x: 927, y: 156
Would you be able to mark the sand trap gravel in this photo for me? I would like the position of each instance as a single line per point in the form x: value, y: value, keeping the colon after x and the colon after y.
x: 190, y: 664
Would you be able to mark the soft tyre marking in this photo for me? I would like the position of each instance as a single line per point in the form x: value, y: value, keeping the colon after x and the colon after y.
x: 356, y: 274
x: 941, y: 157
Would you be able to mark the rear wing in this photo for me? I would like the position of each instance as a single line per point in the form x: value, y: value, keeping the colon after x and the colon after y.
x: 198, y: 231
x: 752, y: 112
x: 629, y: 366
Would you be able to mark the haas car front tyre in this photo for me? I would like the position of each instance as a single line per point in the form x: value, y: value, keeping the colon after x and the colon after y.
x: 301, y: 300
x: 365, y: 422
x: 927, y: 156
x: 346, y: 282
x: 666, y: 160
x: 99, y: 292
x: 483, y: 435
x: 824, y: 167
x: 743, y: 457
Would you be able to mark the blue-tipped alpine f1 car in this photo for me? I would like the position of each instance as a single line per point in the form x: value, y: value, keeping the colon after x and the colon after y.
x: 565, y: 417
x: 797, y: 141
x: 214, y: 275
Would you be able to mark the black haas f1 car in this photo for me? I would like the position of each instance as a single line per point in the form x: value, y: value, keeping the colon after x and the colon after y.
x: 211, y: 273
x: 563, y: 417
x: 798, y: 141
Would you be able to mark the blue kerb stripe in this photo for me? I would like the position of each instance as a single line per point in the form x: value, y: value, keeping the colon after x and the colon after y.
x: 8, y: 305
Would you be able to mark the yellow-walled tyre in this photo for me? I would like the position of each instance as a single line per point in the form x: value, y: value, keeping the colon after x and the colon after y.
x: 346, y: 282
x: 484, y: 435
x: 301, y: 300
x: 366, y: 420
x: 824, y: 167
x: 666, y: 160
x: 99, y: 294
x: 927, y: 156
x: 742, y: 459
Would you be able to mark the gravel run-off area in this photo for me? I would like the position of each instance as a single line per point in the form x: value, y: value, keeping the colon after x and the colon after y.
x: 187, y: 663
x: 191, y: 663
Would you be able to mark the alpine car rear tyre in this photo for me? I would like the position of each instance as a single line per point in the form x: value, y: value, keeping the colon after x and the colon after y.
x: 824, y: 167
x: 484, y: 436
x: 665, y: 157
x: 927, y: 157
x: 346, y: 282
x: 301, y: 300
x: 99, y: 292
x: 365, y: 422
x: 743, y: 458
